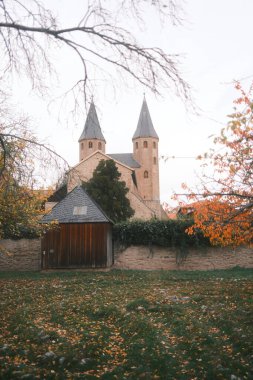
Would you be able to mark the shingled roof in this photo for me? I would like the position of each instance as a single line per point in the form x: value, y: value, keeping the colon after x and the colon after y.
x: 145, y: 126
x: 76, y: 207
x: 92, y: 128
x: 125, y: 158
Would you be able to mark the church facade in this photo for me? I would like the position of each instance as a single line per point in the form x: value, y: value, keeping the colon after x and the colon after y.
x: 139, y: 169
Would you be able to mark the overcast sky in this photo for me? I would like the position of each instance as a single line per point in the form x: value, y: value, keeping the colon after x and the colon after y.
x: 215, y: 43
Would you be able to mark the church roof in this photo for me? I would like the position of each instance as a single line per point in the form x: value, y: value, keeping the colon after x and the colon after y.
x: 92, y: 128
x: 76, y: 207
x: 126, y: 159
x: 145, y: 126
x: 58, y: 194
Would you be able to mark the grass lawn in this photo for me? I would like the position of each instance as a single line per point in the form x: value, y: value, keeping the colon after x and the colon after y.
x: 127, y: 325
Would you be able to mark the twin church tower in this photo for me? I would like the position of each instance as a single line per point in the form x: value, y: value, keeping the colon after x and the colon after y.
x: 140, y: 169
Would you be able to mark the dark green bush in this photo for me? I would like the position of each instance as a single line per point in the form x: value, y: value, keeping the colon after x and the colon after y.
x: 169, y: 233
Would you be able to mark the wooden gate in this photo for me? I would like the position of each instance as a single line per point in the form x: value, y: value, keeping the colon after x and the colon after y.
x: 76, y: 245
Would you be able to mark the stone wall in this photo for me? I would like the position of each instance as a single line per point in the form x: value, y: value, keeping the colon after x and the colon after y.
x: 142, y: 211
x: 24, y: 255
x: 168, y: 259
x: 20, y: 255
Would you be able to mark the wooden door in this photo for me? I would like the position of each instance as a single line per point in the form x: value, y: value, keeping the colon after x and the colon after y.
x: 75, y: 245
x: 50, y: 249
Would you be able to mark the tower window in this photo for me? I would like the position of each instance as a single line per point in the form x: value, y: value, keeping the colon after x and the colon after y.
x: 146, y: 174
x: 90, y: 144
x: 145, y: 144
x: 99, y: 146
x: 154, y: 144
x: 81, y: 146
x: 136, y: 145
x: 154, y: 160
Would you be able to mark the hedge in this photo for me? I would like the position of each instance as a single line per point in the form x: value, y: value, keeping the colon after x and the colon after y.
x: 169, y: 233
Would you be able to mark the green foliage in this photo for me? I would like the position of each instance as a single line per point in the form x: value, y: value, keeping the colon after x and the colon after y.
x: 109, y: 192
x: 169, y: 233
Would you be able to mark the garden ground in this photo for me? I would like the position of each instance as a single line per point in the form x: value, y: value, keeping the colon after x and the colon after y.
x: 127, y: 325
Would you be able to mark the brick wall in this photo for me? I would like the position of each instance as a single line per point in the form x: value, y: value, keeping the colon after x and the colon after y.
x: 205, y: 259
x: 20, y: 255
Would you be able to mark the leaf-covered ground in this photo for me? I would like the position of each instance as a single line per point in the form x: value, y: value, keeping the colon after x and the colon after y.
x: 127, y: 325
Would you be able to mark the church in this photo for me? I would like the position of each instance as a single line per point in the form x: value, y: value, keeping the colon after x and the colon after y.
x: 139, y: 169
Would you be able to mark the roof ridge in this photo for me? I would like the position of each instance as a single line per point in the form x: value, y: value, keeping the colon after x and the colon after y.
x: 63, y: 211
x: 107, y: 156
x: 96, y: 204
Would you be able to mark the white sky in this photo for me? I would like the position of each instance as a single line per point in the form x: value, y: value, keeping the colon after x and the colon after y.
x: 215, y: 41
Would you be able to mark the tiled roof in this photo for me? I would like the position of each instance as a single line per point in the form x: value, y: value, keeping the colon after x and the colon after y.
x: 76, y: 207
x: 92, y: 128
x: 59, y: 194
x: 126, y: 159
x: 145, y: 126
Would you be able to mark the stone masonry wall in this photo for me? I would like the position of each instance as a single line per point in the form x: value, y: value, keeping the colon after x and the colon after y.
x: 142, y: 211
x: 24, y: 255
x: 160, y: 258
x: 20, y: 255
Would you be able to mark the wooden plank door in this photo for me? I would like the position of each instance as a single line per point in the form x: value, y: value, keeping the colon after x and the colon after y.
x: 50, y: 249
x: 75, y: 245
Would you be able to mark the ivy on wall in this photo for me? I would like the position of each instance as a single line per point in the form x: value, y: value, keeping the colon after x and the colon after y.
x: 169, y: 233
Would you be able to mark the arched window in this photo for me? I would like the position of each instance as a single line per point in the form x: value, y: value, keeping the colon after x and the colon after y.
x: 154, y: 144
x: 146, y: 174
x: 145, y: 144
x: 90, y: 144
x: 99, y: 146
x: 81, y: 146
x: 136, y: 145
x: 154, y: 160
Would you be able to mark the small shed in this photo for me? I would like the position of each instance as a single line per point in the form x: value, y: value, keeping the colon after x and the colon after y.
x: 83, y: 236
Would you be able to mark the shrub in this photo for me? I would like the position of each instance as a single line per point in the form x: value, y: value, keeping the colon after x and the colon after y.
x: 169, y: 233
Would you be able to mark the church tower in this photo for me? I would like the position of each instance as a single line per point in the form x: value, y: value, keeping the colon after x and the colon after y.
x: 145, y: 152
x: 92, y: 138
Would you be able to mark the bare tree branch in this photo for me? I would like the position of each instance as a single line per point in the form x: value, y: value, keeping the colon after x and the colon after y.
x: 32, y: 142
x: 21, y: 153
x: 2, y: 156
x: 221, y: 194
x: 96, y: 38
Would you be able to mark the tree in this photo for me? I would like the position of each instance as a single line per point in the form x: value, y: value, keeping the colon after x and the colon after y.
x: 109, y: 192
x: 21, y: 153
x: 105, y: 48
x: 21, y: 209
x: 32, y: 37
x: 225, y: 208
x: 20, y: 156
x: 98, y: 39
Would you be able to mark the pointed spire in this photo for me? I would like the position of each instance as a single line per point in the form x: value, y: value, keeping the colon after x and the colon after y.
x: 145, y: 126
x: 92, y: 128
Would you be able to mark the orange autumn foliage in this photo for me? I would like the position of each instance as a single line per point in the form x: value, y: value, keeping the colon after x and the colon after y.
x: 220, y: 222
x: 224, y: 211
